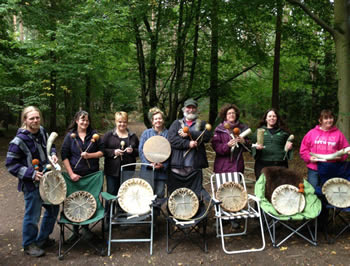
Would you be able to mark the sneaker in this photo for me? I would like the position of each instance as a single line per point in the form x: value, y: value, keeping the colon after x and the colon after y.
x: 87, y: 234
x: 48, y: 242
x: 34, y: 251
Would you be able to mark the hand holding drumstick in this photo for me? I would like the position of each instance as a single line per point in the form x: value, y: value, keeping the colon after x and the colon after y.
x: 84, y: 154
x: 74, y: 136
x: 194, y: 144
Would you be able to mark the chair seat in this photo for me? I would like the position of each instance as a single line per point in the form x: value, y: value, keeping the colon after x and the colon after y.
x: 127, y: 218
x: 243, y: 214
x: 220, y: 179
x: 91, y: 183
x: 272, y: 217
x: 97, y: 216
x: 124, y: 219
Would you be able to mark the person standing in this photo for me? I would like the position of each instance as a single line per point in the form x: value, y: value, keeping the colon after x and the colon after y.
x: 29, y: 144
x: 120, y: 147
x: 324, y: 138
x: 79, y: 161
x: 157, y: 118
x: 273, y: 152
x: 229, y: 150
x: 188, y: 156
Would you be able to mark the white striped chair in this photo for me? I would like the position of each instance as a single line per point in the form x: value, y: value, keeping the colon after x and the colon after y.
x: 248, y: 212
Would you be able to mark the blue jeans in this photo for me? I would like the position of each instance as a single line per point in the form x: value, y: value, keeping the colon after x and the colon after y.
x: 113, y: 184
x: 312, y: 177
x: 33, y: 204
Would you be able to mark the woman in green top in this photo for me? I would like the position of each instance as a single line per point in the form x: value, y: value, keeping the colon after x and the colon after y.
x: 273, y: 152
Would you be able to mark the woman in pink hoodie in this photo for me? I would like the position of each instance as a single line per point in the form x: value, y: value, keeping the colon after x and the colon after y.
x: 325, y: 138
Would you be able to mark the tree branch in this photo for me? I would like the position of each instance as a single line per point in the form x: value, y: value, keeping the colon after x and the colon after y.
x: 237, y: 75
x: 317, y: 19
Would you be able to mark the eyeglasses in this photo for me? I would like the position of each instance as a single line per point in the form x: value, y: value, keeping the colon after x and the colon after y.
x: 231, y: 113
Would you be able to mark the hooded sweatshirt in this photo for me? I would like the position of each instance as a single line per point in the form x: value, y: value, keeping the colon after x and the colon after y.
x: 322, y: 142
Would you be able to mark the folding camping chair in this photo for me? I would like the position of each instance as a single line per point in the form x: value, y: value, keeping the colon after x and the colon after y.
x: 194, y: 229
x: 221, y: 215
x: 295, y: 224
x: 119, y: 217
x: 338, y: 220
x: 91, y: 183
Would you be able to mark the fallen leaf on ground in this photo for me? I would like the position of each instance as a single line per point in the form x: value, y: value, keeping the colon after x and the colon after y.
x: 283, y: 248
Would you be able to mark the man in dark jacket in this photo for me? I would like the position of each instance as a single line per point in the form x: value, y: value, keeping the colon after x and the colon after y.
x: 30, y: 144
x: 188, y: 156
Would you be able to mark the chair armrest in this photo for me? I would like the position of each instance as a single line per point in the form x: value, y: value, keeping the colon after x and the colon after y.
x: 216, y: 202
x: 108, y: 197
x: 252, y: 197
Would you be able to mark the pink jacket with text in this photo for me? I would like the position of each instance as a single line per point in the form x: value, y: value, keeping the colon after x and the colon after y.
x: 322, y: 142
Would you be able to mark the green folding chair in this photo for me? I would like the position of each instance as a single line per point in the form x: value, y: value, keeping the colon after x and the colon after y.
x: 303, y: 224
x: 91, y: 183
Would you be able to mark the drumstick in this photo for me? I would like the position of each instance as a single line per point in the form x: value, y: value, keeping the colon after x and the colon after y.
x: 289, y: 140
x: 301, y: 191
x: 74, y: 136
x: 187, y: 131
x: 122, y: 144
x: 207, y: 128
x: 35, y: 163
x: 94, y: 138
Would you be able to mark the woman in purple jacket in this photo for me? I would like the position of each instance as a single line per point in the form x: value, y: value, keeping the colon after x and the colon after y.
x: 227, y: 143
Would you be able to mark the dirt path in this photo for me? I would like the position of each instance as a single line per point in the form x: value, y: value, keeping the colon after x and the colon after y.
x: 295, y: 251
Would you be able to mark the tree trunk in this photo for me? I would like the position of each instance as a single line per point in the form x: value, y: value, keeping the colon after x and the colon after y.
x: 142, y: 72
x: 276, y: 63
x: 341, y: 35
x: 53, y: 86
x: 342, y: 48
x: 178, y: 63
x: 195, y: 46
x: 87, y: 93
x: 214, y: 63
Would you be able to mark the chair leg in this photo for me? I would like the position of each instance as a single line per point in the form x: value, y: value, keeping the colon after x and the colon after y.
x: 205, y: 222
x: 151, y: 236
x: 61, y: 240
x: 242, y: 250
x: 110, y: 233
x: 167, y: 235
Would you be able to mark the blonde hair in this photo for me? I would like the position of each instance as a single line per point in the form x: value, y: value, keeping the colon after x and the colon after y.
x: 121, y: 114
x: 25, y: 113
x: 153, y: 111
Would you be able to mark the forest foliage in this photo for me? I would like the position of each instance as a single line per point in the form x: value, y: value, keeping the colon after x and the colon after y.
x: 109, y: 55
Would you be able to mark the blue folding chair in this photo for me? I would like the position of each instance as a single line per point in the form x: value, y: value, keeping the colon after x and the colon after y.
x: 338, y: 220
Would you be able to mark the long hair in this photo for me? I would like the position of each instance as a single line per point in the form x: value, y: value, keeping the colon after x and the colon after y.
x: 25, y: 113
x: 81, y: 114
x: 279, y: 123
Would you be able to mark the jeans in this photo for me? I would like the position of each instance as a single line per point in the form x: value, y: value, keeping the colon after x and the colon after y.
x: 312, y: 177
x: 113, y: 184
x: 33, y: 204
x: 159, y: 188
